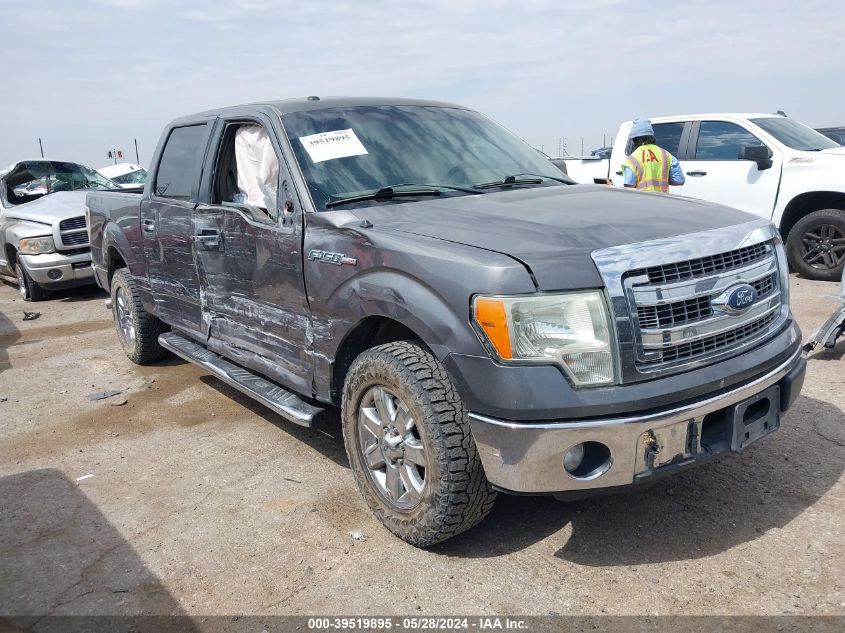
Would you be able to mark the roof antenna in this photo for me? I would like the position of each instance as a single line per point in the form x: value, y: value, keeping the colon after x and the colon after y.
x: 781, y: 112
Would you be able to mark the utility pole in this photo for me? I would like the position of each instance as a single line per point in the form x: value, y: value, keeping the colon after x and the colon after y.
x: 41, y: 146
x: 137, y: 160
x: 559, y: 146
x: 582, y: 146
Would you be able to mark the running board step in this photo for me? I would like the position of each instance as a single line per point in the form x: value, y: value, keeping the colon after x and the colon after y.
x: 286, y: 404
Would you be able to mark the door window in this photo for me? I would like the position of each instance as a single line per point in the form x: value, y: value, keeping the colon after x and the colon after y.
x: 247, y: 172
x: 668, y: 136
x: 720, y: 140
x: 179, y: 170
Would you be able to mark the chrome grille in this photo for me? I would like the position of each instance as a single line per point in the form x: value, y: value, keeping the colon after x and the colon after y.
x: 699, y: 267
x: 669, y: 297
x: 73, y: 232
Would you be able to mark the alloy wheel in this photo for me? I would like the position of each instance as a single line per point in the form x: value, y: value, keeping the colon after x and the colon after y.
x: 125, y: 324
x: 391, y: 448
x: 823, y: 246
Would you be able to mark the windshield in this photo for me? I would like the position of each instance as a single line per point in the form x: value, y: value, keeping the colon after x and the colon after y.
x: 345, y: 152
x: 33, y: 179
x: 139, y: 177
x: 794, y: 134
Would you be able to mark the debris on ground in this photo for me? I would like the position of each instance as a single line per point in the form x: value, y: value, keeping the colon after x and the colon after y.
x: 31, y: 316
x: 296, y: 481
x: 118, y: 402
x: 102, y: 395
x: 84, y: 477
x: 357, y: 536
x: 3, y: 399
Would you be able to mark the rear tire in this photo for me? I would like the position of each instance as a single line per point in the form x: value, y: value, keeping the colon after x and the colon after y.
x: 30, y: 291
x: 410, y: 447
x: 815, y: 246
x: 137, y: 329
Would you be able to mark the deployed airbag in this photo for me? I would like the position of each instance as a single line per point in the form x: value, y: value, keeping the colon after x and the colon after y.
x: 258, y: 167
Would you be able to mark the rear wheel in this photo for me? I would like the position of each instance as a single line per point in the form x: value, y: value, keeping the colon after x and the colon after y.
x: 137, y: 329
x: 410, y: 447
x: 816, y: 245
x: 30, y: 291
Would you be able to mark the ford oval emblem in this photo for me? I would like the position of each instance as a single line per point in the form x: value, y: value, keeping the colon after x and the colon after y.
x: 737, y: 299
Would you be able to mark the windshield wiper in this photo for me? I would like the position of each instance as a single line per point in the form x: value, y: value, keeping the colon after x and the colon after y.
x: 395, y: 191
x: 509, y: 181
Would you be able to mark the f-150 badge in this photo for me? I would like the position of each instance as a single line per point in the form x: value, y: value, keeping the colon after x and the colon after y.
x: 326, y: 257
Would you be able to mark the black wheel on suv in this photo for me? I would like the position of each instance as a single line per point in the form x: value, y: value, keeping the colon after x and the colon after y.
x: 410, y: 447
x: 30, y: 291
x: 137, y: 329
x: 816, y: 245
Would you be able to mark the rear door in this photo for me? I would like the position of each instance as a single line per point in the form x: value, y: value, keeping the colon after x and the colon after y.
x: 714, y: 171
x: 250, y: 259
x: 166, y: 226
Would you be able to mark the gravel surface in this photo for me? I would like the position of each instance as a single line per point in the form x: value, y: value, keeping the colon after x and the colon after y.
x: 180, y: 496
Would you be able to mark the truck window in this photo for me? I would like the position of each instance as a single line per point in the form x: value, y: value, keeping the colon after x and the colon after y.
x: 178, y: 171
x: 668, y: 136
x: 247, y: 170
x: 720, y: 140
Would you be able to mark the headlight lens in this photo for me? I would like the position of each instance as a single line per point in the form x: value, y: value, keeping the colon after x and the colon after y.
x: 571, y: 329
x: 36, y: 245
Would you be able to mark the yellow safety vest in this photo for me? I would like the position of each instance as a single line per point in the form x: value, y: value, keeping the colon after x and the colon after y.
x: 651, y: 164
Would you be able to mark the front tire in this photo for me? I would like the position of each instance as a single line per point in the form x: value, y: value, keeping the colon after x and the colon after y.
x: 816, y: 245
x: 137, y: 329
x: 30, y: 291
x: 410, y: 447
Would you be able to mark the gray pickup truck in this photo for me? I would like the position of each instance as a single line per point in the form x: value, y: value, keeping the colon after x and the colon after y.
x: 483, y: 324
x: 43, y: 230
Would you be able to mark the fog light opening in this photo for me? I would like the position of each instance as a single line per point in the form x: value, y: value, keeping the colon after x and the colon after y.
x: 55, y: 274
x: 588, y: 460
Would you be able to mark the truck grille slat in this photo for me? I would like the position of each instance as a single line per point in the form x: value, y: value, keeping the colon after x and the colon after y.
x: 692, y: 268
x: 72, y: 224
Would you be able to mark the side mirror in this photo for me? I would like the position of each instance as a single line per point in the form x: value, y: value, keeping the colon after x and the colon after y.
x: 759, y: 154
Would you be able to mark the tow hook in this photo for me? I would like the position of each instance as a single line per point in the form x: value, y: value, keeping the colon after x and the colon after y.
x: 652, y: 448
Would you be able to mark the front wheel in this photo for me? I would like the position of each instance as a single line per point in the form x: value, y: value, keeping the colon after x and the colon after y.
x: 816, y: 245
x: 30, y: 290
x: 410, y: 447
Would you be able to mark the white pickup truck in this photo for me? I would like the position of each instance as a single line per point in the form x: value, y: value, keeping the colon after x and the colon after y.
x: 765, y: 164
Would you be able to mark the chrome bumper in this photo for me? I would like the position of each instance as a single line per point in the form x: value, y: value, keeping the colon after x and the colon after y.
x: 57, y: 269
x: 528, y: 457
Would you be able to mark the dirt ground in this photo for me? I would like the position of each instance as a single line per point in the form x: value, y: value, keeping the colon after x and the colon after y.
x: 191, y: 499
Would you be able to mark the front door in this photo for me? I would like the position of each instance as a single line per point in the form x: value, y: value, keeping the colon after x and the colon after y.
x: 166, y: 226
x: 248, y: 244
x: 714, y: 171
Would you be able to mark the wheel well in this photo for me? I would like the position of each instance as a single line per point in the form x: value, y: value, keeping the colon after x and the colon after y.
x: 806, y: 203
x: 370, y: 332
x: 11, y: 255
x: 114, y: 261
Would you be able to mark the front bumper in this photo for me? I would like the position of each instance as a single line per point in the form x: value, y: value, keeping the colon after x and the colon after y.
x: 58, y: 270
x: 528, y: 457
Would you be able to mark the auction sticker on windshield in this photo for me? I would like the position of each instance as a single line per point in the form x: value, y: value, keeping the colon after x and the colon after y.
x: 330, y: 145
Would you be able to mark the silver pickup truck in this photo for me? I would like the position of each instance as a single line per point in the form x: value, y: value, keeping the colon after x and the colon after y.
x: 43, y: 228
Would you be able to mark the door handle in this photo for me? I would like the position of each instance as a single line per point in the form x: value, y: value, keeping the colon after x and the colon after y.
x: 696, y: 173
x: 148, y: 226
x: 210, y: 239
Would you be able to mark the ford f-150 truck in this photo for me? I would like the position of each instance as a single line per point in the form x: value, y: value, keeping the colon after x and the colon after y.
x: 43, y: 235
x: 483, y: 324
x: 765, y: 164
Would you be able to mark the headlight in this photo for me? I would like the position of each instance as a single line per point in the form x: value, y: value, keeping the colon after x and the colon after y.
x: 571, y: 329
x: 36, y: 245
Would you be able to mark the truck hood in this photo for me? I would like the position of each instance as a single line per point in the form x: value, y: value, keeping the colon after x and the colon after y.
x: 52, y: 207
x: 553, y: 230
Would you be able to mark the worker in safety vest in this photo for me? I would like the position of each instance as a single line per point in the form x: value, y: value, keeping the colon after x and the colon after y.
x: 649, y: 167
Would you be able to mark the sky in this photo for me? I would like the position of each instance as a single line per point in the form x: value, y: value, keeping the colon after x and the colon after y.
x: 87, y: 76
